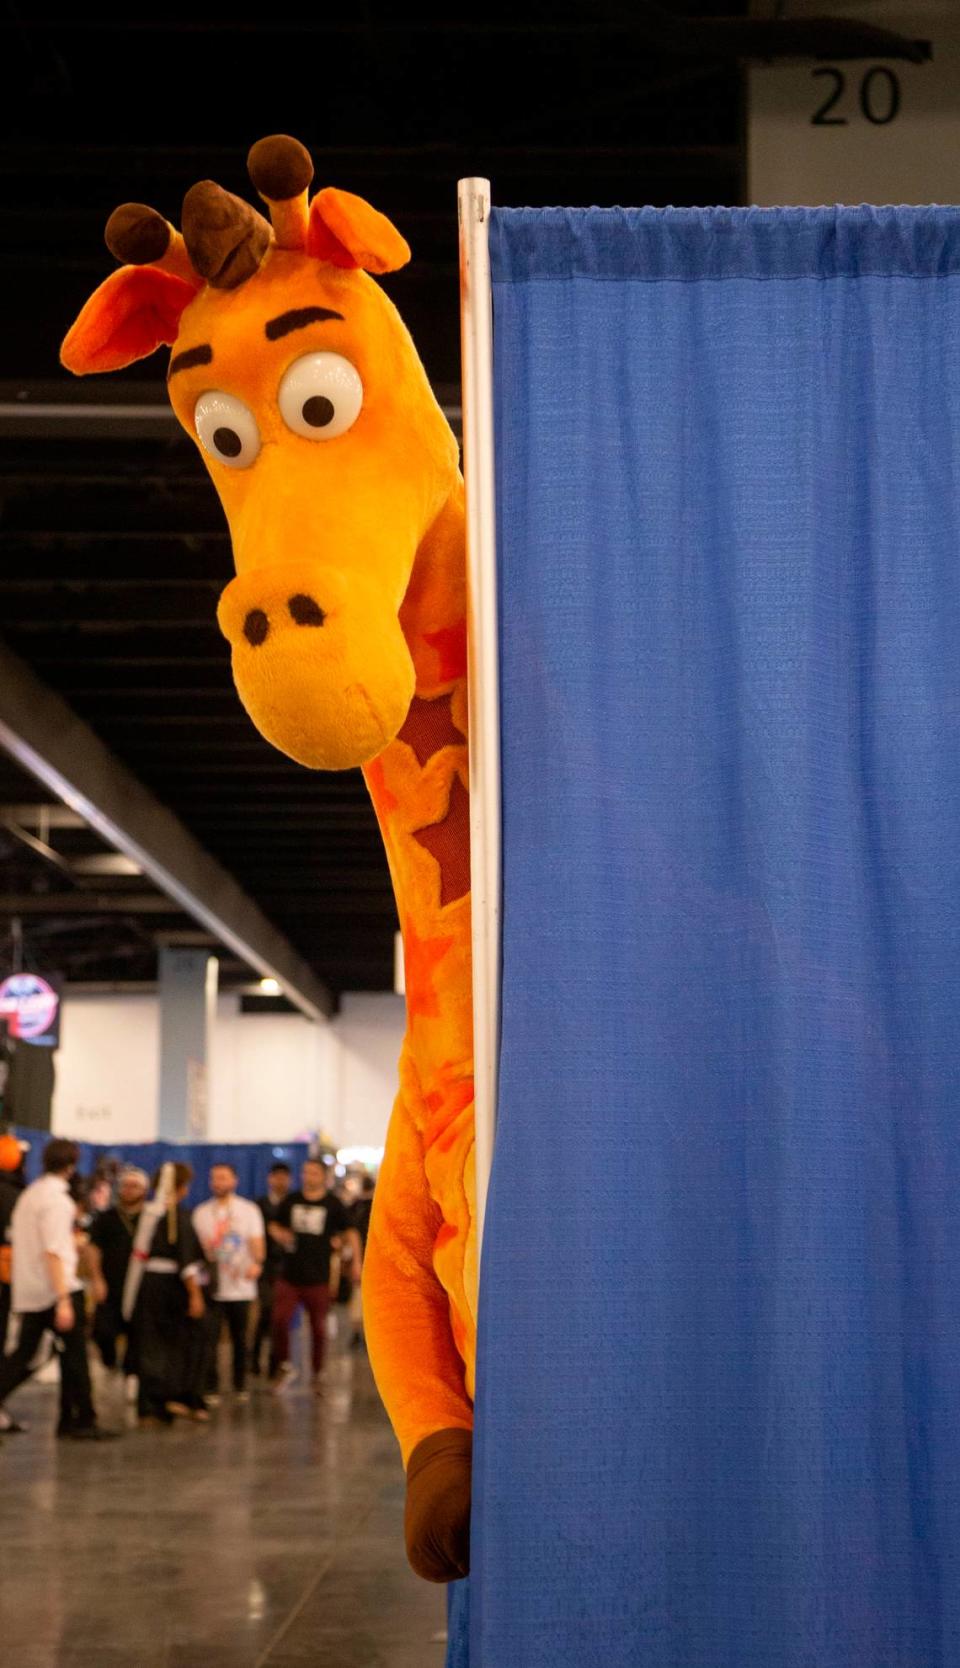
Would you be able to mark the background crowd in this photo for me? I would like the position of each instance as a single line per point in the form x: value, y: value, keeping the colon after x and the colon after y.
x: 118, y: 1259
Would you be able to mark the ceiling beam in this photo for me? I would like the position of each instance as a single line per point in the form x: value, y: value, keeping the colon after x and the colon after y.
x: 40, y: 816
x: 48, y: 739
x: 104, y: 863
x: 26, y: 419
x: 230, y: 985
x: 40, y: 848
x: 87, y: 903
x: 188, y: 939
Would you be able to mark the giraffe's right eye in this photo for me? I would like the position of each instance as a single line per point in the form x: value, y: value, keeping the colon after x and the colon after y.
x: 227, y: 429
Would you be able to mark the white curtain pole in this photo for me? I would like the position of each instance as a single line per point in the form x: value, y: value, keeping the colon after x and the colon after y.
x: 476, y: 336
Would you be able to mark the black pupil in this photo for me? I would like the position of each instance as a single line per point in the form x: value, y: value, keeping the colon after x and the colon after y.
x: 318, y: 411
x: 228, y: 442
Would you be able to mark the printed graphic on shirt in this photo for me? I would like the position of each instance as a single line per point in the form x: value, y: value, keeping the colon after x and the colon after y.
x: 226, y: 1232
x: 228, y: 1250
x: 314, y: 1222
x: 308, y: 1219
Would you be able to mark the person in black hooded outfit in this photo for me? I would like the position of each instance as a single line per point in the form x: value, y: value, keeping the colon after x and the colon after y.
x: 164, y: 1298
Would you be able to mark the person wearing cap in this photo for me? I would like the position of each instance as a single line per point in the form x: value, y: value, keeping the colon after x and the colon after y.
x: 12, y: 1183
x: 111, y: 1242
x: 48, y: 1294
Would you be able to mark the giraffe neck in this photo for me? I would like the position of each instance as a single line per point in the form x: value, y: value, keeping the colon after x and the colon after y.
x: 434, y: 611
x: 419, y: 790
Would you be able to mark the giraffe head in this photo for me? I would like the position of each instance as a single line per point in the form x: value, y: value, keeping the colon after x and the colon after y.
x: 300, y: 384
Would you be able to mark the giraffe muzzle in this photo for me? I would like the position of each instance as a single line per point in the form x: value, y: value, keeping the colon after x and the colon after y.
x: 319, y: 661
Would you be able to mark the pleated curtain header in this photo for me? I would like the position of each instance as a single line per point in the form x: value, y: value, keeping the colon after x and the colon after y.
x: 691, y: 244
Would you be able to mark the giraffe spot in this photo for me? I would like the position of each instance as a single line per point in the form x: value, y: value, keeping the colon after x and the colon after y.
x: 384, y: 800
x: 450, y: 645
x: 448, y: 842
x: 421, y: 957
x: 446, y: 1107
x: 429, y: 726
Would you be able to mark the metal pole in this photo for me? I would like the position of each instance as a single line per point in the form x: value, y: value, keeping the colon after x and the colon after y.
x: 476, y: 335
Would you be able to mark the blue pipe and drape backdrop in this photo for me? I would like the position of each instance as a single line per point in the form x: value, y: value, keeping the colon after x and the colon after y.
x: 719, y: 1377
x: 251, y: 1160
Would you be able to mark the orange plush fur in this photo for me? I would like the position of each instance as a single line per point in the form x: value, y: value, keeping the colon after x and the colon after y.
x: 370, y: 526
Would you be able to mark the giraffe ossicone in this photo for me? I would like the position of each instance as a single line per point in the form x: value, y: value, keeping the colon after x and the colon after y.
x: 339, y: 477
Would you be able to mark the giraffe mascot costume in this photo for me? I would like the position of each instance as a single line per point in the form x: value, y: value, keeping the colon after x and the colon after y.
x: 339, y: 477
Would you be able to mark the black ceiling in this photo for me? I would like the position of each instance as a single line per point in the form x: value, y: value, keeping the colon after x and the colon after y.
x: 112, y: 544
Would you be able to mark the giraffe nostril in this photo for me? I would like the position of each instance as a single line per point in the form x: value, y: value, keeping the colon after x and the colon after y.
x: 255, y: 627
x: 305, y: 611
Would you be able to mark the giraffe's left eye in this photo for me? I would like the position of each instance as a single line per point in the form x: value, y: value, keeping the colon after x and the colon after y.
x: 320, y: 396
x: 227, y: 429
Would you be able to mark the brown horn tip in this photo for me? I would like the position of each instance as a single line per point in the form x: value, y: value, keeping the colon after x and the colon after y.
x: 225, y: 237
x: 280, y: 167
x: 137, y: 235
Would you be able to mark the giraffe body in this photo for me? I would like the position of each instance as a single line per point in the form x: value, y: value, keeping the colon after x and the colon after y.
x: 339, y: 478
x: 419, y: 789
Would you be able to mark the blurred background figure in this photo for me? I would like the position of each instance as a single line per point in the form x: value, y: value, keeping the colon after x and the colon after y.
x: 163, y: 1296
x: 47, y: 1292
x: 308, y: 1224
x: 99, y: 1194
x: 12, y: 1182
x: 362, y: 1207
x: 111, y: 1244
x: 279, y: 1182
x: 233, y: 1236
x: 360, y: 1217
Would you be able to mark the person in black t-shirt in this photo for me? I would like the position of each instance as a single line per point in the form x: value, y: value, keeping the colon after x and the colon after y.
x: 362, y: 1208
x: 278, y: 1189
x: 308, y: 1226
x: 111, y: 1242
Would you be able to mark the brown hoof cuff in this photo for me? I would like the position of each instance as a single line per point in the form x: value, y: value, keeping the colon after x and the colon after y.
x: 437, y: 1515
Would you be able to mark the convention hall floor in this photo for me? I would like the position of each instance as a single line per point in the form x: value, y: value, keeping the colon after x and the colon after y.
x: 268, y: 1539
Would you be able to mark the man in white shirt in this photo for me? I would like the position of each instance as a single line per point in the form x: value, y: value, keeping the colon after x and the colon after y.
x: 233, y: 1237
x: 47, y: 1295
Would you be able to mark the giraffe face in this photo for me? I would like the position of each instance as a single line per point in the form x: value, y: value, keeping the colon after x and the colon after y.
x: 332, y: 459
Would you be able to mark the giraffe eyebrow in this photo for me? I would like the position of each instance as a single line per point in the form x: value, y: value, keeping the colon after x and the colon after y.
x: 295, y: 319
x: 201, y: 355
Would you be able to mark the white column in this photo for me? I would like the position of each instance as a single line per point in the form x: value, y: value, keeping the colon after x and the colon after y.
x: 188, y: 997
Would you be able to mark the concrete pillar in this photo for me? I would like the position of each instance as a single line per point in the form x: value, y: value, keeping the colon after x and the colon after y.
x: 188, y: 998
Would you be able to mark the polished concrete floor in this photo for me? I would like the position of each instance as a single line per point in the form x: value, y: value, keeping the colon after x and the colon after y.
x: 269, y: 1539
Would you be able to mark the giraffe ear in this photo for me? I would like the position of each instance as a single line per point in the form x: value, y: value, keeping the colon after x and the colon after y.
x: 346, y: 231
x: 133, y: 312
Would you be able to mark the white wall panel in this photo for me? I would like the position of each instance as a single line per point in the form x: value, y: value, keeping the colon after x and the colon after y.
x: 272, y: 1076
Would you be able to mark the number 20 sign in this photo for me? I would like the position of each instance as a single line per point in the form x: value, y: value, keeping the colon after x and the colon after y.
x: 875, y: 96
x: 862, y: 131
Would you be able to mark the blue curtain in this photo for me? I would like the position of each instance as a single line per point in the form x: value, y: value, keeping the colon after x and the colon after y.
x: 251, y: 1160
x: 719, y: 1377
